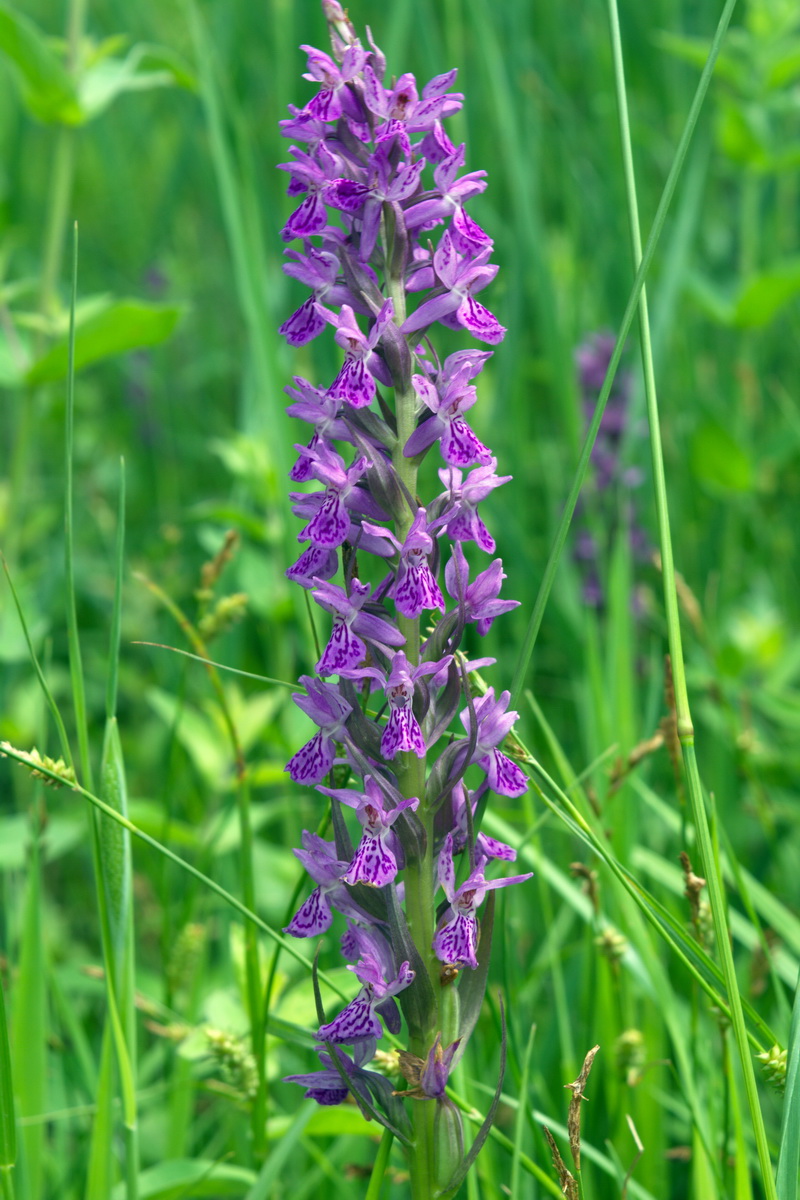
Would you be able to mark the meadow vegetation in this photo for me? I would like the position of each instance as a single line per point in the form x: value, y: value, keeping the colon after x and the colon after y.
x: 143, y: 1061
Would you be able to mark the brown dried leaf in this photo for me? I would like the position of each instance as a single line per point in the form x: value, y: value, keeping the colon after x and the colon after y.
x: 574, y: 1115
x: 565, y: 1178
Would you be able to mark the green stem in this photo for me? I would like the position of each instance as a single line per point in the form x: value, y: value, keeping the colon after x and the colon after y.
x: 419, y: 882
x: 6, y: 1183
x: 685, y: 730
x: 379, y: 1169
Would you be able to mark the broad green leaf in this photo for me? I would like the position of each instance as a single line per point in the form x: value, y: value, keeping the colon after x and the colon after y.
x: 62, y: 835
x: 126, y: 325
x: 143, y: 68
x: 715, y: 301
x: 202, y: 737
x: 742, y: 136
x: 183, y: 1178
x: 695, y: 50
x: 719, y: 461
x: 47, y: 90
x: 786, y: 66
x: 12, y: 359
x: 763, y: 296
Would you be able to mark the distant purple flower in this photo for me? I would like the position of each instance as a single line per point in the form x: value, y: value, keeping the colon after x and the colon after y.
x: 456, y: 938
x: 329, y: 711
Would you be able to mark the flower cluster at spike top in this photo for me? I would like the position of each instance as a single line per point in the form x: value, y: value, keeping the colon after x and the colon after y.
x: 388, y: 250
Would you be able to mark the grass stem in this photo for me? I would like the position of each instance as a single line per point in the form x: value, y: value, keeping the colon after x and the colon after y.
x: 685, y: 730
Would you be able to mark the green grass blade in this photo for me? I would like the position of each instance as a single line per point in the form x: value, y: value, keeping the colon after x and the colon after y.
x: 789, y: 1152
x: 30, y: 1026
x: 75, y: 660
x: 58, y: 720
x: 100, y: 1174
x: 642, y: 268
x: 8, y: 1128
x: 521, y: 1122
x: 264, y: 1187
x: 116, y: 619
x: 710, y: 857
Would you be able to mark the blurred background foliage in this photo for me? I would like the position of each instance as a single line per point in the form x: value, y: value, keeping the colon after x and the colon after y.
x: 154, y: 126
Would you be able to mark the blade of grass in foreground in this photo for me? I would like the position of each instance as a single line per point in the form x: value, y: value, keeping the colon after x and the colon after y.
x: 642, y: 267
x: 789, y: 1154
x: 30, y: 1023
x: 8, y: 1130
x: 710, y: 860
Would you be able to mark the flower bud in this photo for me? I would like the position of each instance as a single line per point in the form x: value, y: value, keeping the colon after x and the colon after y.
x: 448, y: 1142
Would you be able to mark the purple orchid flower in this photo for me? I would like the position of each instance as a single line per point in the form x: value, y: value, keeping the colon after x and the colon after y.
x: 368, y: 200
x: 330, y: 523
x: 462, y: 522
x: 327, y: 1087
x: 375, y: 172
x: 448, y: 401
x: 486, y: 847
x: 401, y: 109
x: 402, y: 732
x: 414, y: 588
x: 493, y: 722
x: 375, y: 861
x: 479, y: 599
x: 319, y: 270
x: 329, y: 711
x: 315, y: 915
x: 448, y: 200
x: 455, y: 305
x: 317, y: 408
x: 355, y: 383
x: 309, y: 174
x: 358, y: 1022
x: 345, y: 649
x: 334, y: 98
x: 456, y: 938
x: 316, y: 562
